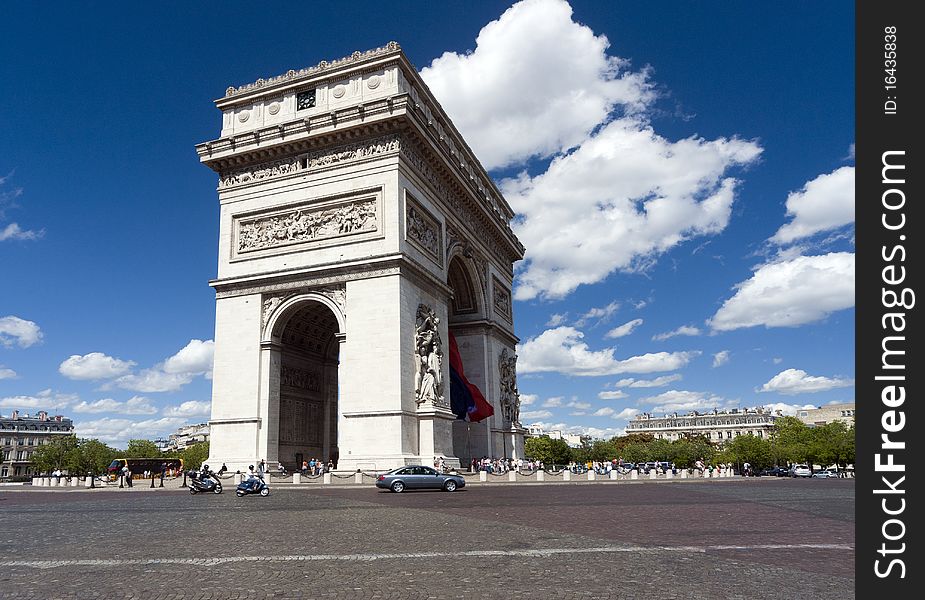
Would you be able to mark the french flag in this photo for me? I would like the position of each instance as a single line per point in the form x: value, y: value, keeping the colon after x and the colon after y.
x: 466, y: 400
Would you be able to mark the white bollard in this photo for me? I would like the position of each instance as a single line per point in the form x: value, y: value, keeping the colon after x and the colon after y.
x: 541, y: 475
x: 48, y: 481
x: 483, y: 475
x: 237, y: 479
x: 297, y: 478
x: 634, y: 474
x: 512, y: 475
x: 357, y: 477
x: 35, y: 481
x: 683, y: 473
x: 592, y: 475
x: 326, y: 479
x: 613, y: 474
x: 74, y: 481
x: 88, y: 480
x: 652, y: 474
x: 566, y: 475
x: 669, y: 474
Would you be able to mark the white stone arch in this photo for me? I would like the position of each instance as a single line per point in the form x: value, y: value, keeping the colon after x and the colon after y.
x: 476, y: 279
x: 272, y: 331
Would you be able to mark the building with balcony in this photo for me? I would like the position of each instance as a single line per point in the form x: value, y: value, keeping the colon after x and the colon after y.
x: 718, y: 426
x: 824, y: 415
x: 185, y: 437
x: 21, y: 435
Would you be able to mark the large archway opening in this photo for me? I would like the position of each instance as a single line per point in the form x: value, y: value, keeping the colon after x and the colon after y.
x: 308, y: 385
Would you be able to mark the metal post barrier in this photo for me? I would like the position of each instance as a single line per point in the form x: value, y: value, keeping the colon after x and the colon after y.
x: 152, y: 479
x: 541, y: 475
x: 183, y: 485
x: 92, y: 478
x: 297, y: 478
x: 162, y: 480
x: 121, y: 481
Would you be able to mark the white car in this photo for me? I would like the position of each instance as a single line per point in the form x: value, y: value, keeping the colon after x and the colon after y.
x: 801, y: 471
x: 826, y: 473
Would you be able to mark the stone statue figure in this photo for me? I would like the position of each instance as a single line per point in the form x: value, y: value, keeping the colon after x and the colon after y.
x: 428, y: 379
x: 510, y: 396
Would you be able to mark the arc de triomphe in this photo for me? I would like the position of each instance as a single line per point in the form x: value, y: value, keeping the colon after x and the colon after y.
x: 357, y: 231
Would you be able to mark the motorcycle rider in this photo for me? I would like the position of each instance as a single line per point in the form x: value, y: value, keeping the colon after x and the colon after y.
x: 252, y: 478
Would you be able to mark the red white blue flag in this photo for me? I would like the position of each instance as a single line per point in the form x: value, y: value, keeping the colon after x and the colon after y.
x: 466, y: 401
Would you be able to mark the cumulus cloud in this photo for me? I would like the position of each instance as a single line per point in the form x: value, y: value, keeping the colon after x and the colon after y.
x: 599, y: 314
x: 195, y: 357
x: 173, y: 373
x: 611, y: 394
x: 797, y: 381
x: 533, y: 65
x: 603, y: 412
x: 682, y: 330
x: 624, y: 196
x: 556, y: 319
x: 623, y: 330
x: 720, y: 358
x: 579, y: 405
x: 535, y: 414
x: 682, y: 400
x: 20, y: 332
x: 153, y: 380
x: 561, y: 350
x: 95, y: 365
x: 118, y: 432
x: 137, y: 405
x: 7, y: 373
x: 788, y: 410
x: 825, y: 203
x: 552, y: 402
x: 528, y: 399
x: 190, y: 408
x: 648, y: 383
x: 14, y: 232
x: 45, y: 400
x: 626, y: 414
x: 790, y: 293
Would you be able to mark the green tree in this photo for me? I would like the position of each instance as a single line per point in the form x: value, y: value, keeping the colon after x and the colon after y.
x: 193, y: 456
x: 635, y: 452
x: 551, y: 452
x: 621, y: 442
x: 602, y: 451
x: 91, y: 456
x: 142, y: 449
x: 833, y: 443
x: 791, y: 441
x: 747, y: 449
x: 659, y: 450
x: 54, y: 454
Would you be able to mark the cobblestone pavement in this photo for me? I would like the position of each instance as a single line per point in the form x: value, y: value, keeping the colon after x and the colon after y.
x: 742, y: 539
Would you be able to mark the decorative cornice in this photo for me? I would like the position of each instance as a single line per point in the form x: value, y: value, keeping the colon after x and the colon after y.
x: 321, y: 67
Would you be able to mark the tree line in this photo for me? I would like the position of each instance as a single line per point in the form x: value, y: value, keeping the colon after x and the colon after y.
x: 84, y: 455
x: 790, y: 442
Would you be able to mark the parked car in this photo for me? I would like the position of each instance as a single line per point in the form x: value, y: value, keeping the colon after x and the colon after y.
x: 801, y: 471
x: 775, y: 471
x: 826, y: 473
x: 419, y: 477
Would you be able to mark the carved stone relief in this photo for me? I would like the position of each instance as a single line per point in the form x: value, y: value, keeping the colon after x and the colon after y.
x: 305, y: 224
x: 270, y: 304
x: 510, y: 396
x: 501, y: 299
x: 302, y: 379
x: 428, y: 376
x: 423, y: 230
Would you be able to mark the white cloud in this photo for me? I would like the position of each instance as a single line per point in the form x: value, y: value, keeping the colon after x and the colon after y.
x: 44, y: 400
x: 626, y: 414
x: 528, y: 399
x: 556, y: 319
x: 14, y: 232
x: 682, y: 400
x: 624, y: 330
x: 535, y: 414
x: 95, y: 365
x: 533, y: 65
x: 623, y: 197
x: 7, y: 373
x: 118, y: 432
x: 21, y: 332
x: 190, y: 408
x: 790, y: 293
x: 137, y: 405
x: 553, y: 402
x: 720, y: 358
x: 826, y: 202
x: 153, y: 380
x: 561, y: 350
x: 195, y: 357
x: 648, y: 383
x: 601, y: 314
x: 797, y: 381
x: 777, y: 360
x: 611, y: 395
x: 579, y: 405
x: 682, y: 330
x: 603, y: 412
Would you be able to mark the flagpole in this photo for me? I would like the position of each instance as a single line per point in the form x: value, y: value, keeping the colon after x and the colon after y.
x: 469, y: 442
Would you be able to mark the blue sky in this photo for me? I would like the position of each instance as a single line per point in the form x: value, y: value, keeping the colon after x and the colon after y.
x: 683, y: 175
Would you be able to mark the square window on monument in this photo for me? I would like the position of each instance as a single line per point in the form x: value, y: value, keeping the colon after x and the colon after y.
x: 305, y: 100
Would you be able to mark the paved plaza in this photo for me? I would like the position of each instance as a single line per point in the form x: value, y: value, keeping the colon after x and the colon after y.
x: 735, y: 539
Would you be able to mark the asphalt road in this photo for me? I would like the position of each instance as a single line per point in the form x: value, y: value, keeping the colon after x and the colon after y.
x: 736, y: 539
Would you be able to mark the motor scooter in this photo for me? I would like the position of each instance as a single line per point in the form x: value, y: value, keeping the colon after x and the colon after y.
x: 204, y: 482
x: 255, y: 485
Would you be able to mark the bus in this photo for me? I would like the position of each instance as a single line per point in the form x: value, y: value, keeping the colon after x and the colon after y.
x: 138, y: 466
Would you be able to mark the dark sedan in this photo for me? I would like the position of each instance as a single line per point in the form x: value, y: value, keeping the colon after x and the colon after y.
x: 418, y: 477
